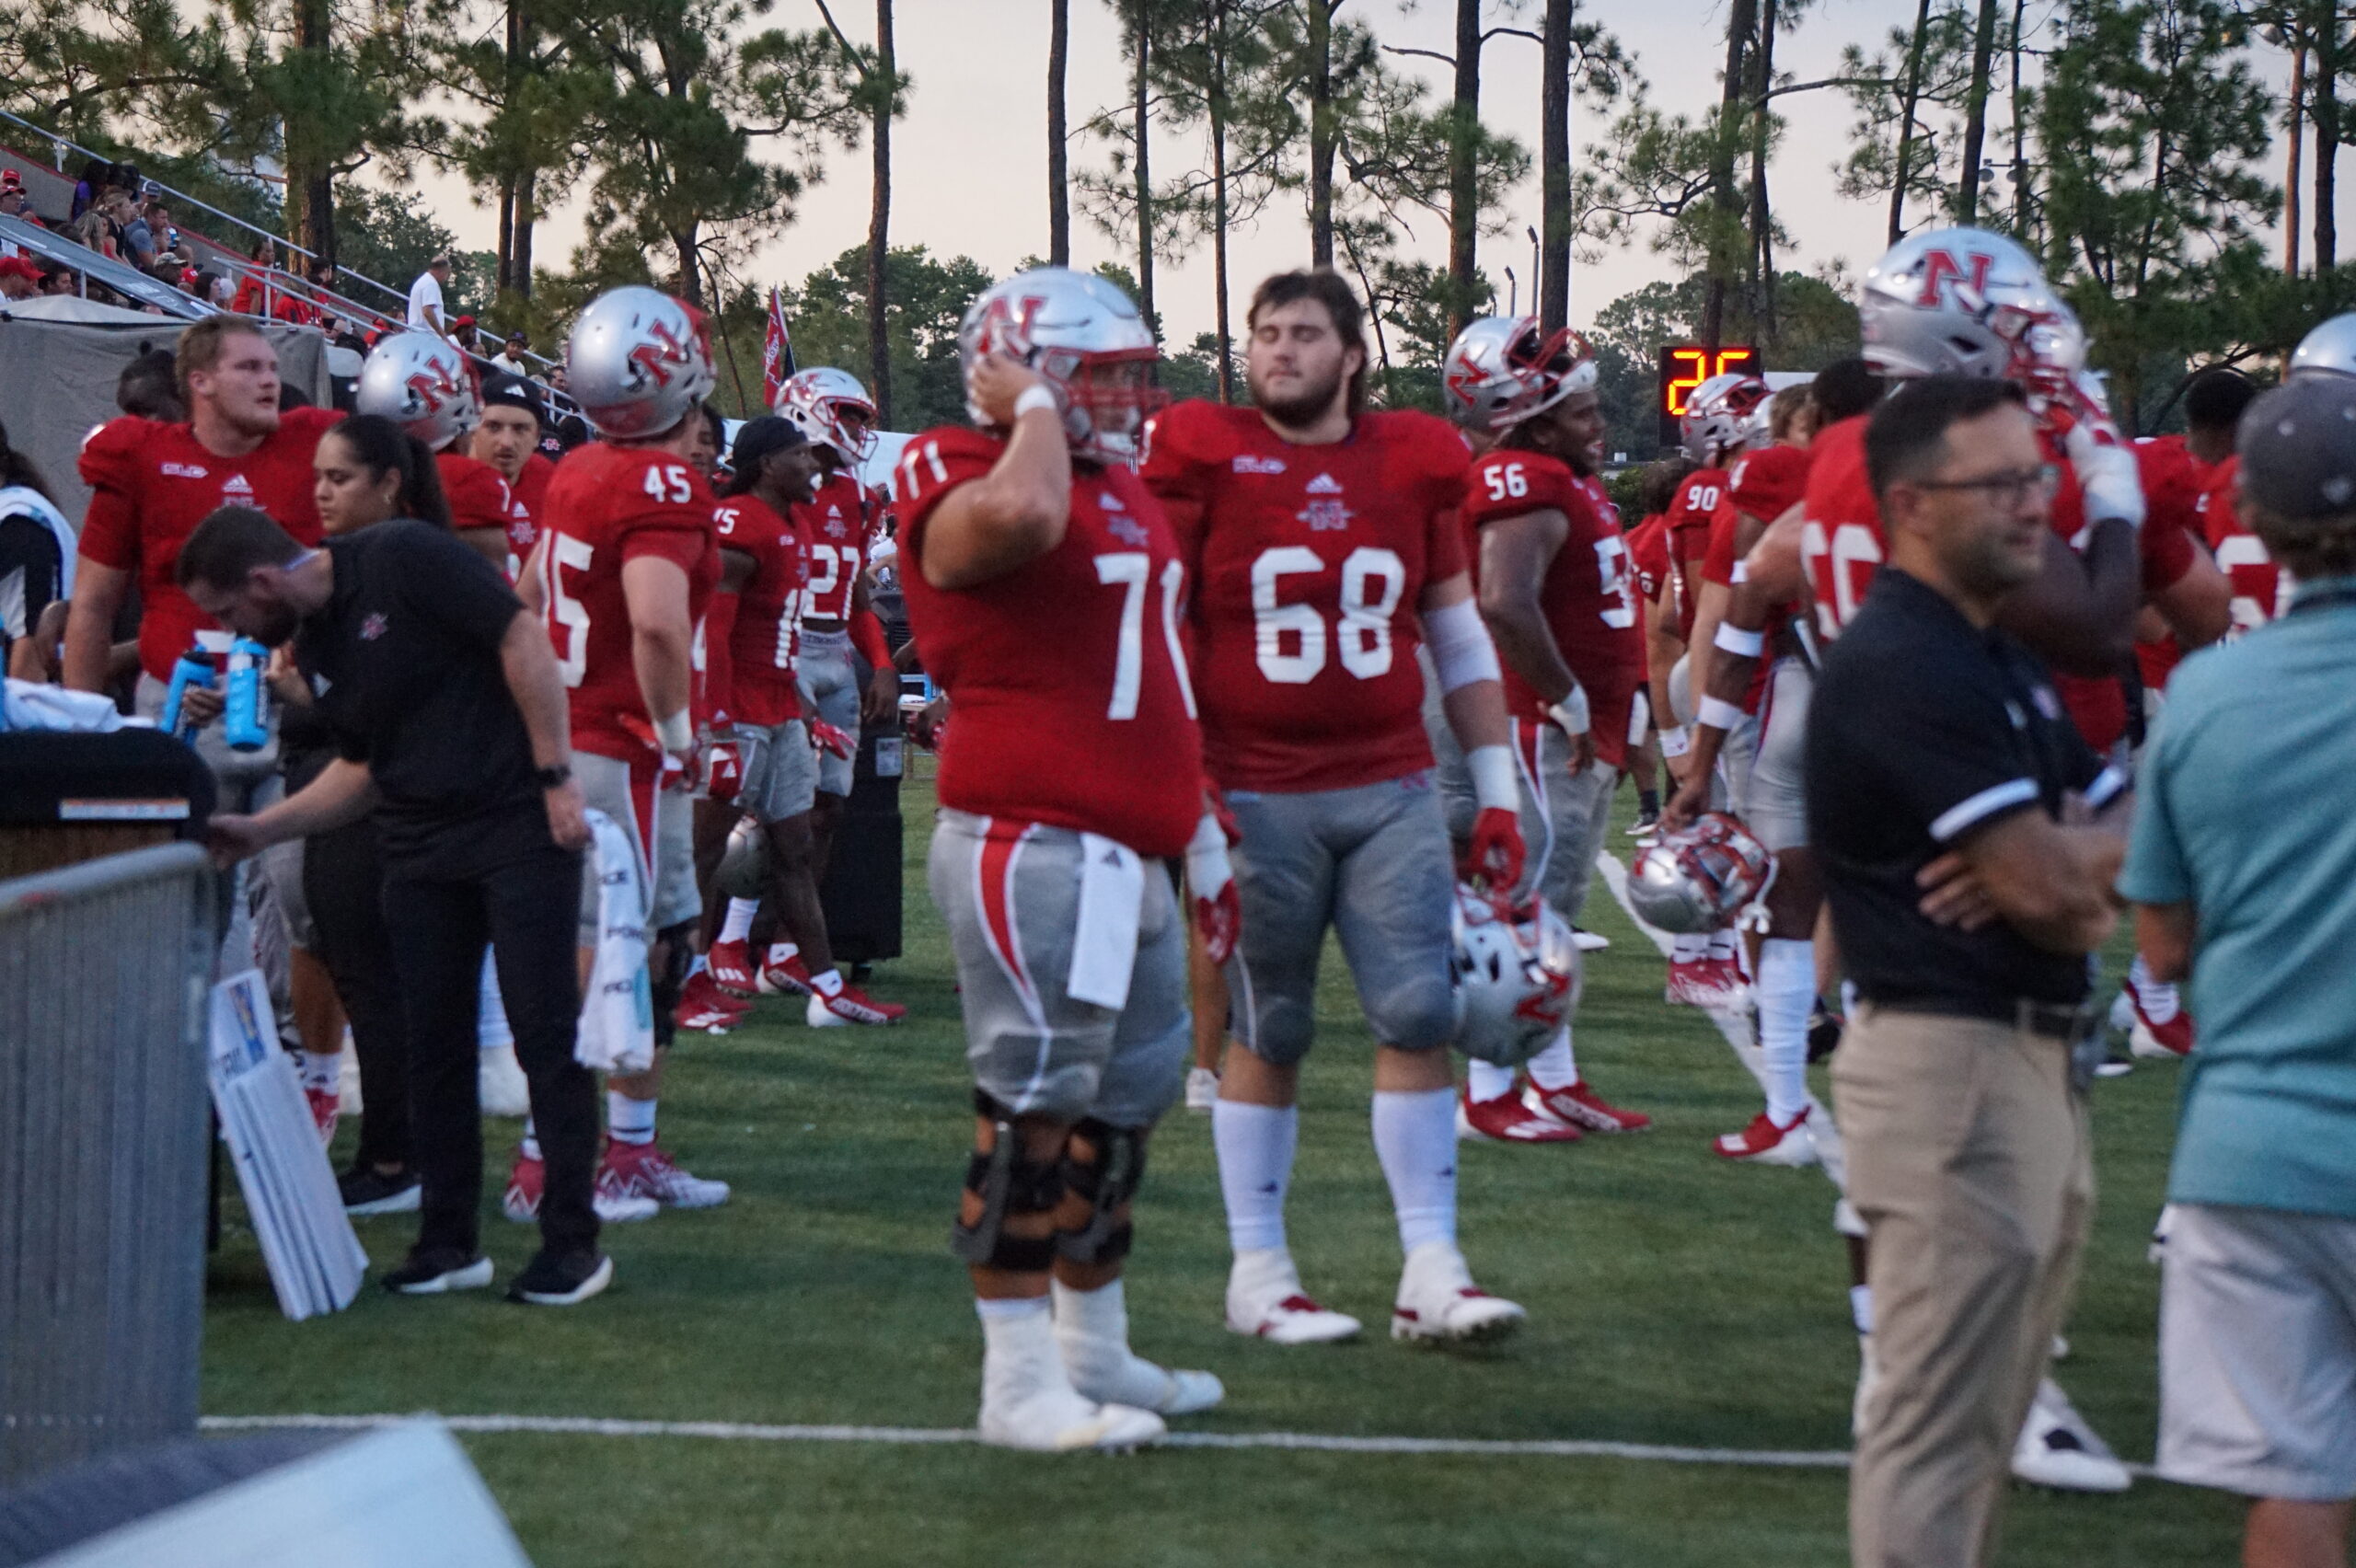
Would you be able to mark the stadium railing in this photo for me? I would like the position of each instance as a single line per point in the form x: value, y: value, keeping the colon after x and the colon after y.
x: 104, y: 1145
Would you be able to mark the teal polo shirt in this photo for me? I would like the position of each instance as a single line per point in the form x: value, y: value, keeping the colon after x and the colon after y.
x: 2246, y: 809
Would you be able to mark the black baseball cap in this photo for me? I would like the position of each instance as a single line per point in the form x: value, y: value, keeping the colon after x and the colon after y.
x: 2298, y: 449
x: 758, y: 438
x: 513, y: 392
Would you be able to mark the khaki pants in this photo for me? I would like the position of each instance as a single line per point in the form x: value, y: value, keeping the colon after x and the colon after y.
x: 1968, y: 1157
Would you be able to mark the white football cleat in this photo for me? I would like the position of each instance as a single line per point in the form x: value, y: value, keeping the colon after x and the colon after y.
x: 1092, y: 1333
x: 2058, y: 1449
x: 500, y: 1079
x: 1589, y: 941
x: 1437, y: 1300
x: 1202, y: 1088
x: 1028, y: 1400
x: 1265, y: 1300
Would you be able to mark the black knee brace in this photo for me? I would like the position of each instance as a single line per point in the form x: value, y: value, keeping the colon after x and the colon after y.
x: 1108, y: 1180
x: 665, y: 979
x: 1010, y: 1183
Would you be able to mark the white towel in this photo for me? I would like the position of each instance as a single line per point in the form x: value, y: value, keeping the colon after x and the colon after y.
x: 1104, y: 940
x: 616, y: 1033
x: 31, y: 706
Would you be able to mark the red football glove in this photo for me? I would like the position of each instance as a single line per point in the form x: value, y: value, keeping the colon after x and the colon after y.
x: 1210, y: 883
x: 827, y: 738
x: 1496, y: 855
x: 723, y: 770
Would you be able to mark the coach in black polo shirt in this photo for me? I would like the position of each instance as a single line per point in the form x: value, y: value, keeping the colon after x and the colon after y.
x: 1958, y: 818
x: 450, y: 721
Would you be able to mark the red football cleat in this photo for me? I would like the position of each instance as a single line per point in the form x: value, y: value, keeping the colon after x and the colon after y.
x: 326, y: 1105
x: 703, y: 1005
x: 1764, y: 1143
x: 731, y: 969
x: 1507, y: 1120
x: 1580, y: 1106
x: 2155, y: 1037
x: 852, y: 1005
x: 787, y: 977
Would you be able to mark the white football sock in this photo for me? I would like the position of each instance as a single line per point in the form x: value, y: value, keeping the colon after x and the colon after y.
x: 531, y: 1150
x: 1785, y: 992
x: 2160, y: 1001
x: 739, y: 923
x: 1486, y: 1080
x: 1414, y: 1139
x: 1255, y: 1145
x: 827, y: 983
x: 1092, y: 1332
x: 319, y: 1071
x: 1861, y: 1308
x: 1691, y: 948
x: 1723, y: 945
x: 1555, y: 1067
x: 629, y: 1120
x: 698, y: 965
x: 781, y: 951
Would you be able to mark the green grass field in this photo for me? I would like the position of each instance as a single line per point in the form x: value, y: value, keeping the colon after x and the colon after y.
x: 1674, y: 1299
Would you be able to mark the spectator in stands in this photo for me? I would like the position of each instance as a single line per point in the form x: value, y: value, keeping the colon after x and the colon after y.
x: 462, y: 332
x: 13, y: 204
x: 57, y: 281
x: 148, y: 387
x: 96, y: 175
x: 426, y: 310
x: 254, y: 288
x: 510, y: 357
x: 19, y: 278
x: 96, y: 228
x: 136, y: 236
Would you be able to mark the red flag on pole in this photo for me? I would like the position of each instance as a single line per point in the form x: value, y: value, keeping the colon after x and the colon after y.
x: 777, y: 350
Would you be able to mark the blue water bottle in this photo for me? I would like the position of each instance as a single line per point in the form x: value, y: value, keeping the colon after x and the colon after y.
x: 195, y: 668
x: 244, y: 718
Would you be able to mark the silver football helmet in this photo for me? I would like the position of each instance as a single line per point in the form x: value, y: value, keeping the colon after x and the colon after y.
x: 1718, y: 413
x: 638, y: 361
x: 1699, y: 879
x: 1517, y: 976
x: 2330, y: 350
x: 830, y: 408
x: 1967, y: 302
x: 744, y: 870
x: 421, y: 382
x: 1086, y: 339
x: 1501, y: 370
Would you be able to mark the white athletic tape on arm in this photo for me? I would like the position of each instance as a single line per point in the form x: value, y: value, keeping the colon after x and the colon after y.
x: 675, y: 733
x: 1673, y: 742
x: 1720, y: 714
x: 1572, y: 714
x: 1461, y: 651
x: 1495, y: 785
x: 1734, y: 640
x: 1036, y: 398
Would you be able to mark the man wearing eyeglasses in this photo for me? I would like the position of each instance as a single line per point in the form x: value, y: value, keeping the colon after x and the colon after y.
x: 1968, y: 837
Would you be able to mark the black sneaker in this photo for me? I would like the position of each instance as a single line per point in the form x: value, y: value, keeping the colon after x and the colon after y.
x: 437, y: 1271
x: 369, y: 1191
x: 564, y: 1279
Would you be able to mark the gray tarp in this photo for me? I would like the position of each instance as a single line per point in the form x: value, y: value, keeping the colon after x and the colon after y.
x: 57, y: 381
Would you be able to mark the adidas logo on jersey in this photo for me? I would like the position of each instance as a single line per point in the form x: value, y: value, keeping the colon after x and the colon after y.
x: 235, y: 485
x: 183, y: 470
x: 1246, y: 462
x: 1129, y: 530
x: 1324, y: 484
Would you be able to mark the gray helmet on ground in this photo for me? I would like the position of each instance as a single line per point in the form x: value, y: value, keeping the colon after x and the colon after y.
x: 1517, y: 976
x: 636, y: 363
x: 420, y: 381
x: 1699, y: 879
x: 1085, y: 338
x: 2330, y: 350
x: 1965, y: 301
x: 1502, y: 370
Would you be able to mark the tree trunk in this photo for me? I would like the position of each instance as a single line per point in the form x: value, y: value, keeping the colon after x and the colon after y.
x: 1742, y: 21
x: 879, y: 223
x: 1216, y: 102
x: 528, y: 214
x: 1059, y: 184
x: 691, y: 266
x: 1910, y: 100
x: 1322, y: 132
x: 2296, y: 140
x: 1555, y: 166
x: 504, y: 273
x: 1143, y: 110
x: 2325, y: 73
x: 1762, y: 220
x: 310, y: 184
x: 1975, y: 115
x: 1463, y: 179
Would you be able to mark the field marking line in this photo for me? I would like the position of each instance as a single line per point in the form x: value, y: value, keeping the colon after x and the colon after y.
x: 1310, y: 1442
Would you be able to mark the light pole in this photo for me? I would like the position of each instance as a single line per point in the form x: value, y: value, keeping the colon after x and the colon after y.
x: 1513, y: 293
x: 1536, y: 268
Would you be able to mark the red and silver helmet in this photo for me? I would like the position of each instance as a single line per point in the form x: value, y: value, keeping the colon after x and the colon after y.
x: 1718, y: 414
x: 422, y: 383
x: 638, y: 363
x: 2330, y: 350
x: 1699, y: 879
x: 1965, y: 301
x: 1502, y: 370
x: 1517, y: 976
x: 832, y: 409
x: 1086, y: 339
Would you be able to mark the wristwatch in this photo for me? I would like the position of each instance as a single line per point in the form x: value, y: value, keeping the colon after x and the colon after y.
x: 549, y: 777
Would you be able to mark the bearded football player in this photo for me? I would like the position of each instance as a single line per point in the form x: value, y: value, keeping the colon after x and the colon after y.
x: 1554, y: 584
x: 1069, y: 784
x: 1326, y: 547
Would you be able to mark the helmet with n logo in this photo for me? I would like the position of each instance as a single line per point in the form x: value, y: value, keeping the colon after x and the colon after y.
x: 1517, y: 976
x: 1084, y: 337
x: 422, y: 383
x: 830, y: 408
x: 1699, y: 879
x: 638, y: 363
x: 1967, y: 302
x: 1717, y: 414
x: 1502, y: 370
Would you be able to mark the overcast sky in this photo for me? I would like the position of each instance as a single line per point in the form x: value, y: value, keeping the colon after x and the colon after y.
x: 969, y: 158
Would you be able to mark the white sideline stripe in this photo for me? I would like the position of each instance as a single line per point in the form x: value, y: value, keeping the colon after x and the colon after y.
x: 745, y: 1432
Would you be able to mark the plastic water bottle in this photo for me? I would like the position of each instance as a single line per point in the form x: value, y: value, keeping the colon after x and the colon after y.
x: 245, y: 719
x: 194, y: 669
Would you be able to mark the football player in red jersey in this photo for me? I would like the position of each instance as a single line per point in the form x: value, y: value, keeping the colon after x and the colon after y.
x: 627, y: 561
x: 2257, y: 585
x: 832, y: 410
x: 1070, y: 779
x: 1325, y: 546
x: 1555, y: 590
x: 508, y: 437
x: 422, y: 383
x: 151, y: 484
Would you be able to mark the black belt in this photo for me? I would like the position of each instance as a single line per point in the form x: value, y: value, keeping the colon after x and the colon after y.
x: 2058, y: 1020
